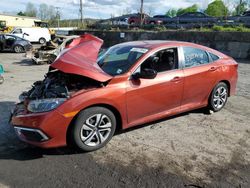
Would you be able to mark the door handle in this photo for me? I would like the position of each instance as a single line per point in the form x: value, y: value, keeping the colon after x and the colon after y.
x: 176, y: 79
x: 213, y: 68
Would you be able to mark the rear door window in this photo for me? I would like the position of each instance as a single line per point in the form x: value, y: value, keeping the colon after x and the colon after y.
x: 195, y: 57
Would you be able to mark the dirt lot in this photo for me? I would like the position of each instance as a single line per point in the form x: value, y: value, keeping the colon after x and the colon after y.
x: 190, y: 150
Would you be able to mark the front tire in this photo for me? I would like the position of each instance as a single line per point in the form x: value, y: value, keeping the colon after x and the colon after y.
x: 18, y: 49
x: 218, y: 97
x: 93, y: 128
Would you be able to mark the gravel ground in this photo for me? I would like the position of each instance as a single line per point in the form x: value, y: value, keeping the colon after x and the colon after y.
x: 190, y: 150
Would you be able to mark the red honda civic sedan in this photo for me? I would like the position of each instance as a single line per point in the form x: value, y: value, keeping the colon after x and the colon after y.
x: 88, y: 93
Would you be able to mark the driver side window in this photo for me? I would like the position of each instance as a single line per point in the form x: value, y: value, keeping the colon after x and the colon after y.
x: 161, y: 61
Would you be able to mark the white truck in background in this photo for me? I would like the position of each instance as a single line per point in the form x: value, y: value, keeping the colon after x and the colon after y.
x: 33, y: 34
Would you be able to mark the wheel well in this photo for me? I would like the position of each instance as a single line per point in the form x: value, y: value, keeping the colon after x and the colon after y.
x: 228, y: 85
x: 18, y: 45
x: 42, y: 38
x: 222, y: 81
x: 111, y: 108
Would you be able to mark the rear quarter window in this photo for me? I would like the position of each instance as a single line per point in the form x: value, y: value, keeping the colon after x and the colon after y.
x: 214, y: 57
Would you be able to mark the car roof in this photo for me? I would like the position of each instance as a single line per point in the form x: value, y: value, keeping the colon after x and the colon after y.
x: 154, y: 44
x: 151, y: 44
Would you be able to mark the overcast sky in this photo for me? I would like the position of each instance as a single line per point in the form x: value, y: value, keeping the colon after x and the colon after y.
x: 102, y: 8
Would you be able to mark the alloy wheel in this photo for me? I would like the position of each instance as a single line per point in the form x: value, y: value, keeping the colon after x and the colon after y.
x: 96, y: 130
x: 18, y: 49
x: 220, y: 97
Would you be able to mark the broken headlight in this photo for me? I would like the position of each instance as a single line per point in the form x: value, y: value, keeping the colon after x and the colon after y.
x: 44, y: 105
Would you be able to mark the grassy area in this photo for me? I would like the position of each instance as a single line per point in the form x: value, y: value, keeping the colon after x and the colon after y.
x: 225, y: 29
x: 162, y: 28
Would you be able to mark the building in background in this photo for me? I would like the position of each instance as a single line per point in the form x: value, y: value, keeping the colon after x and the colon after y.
x: 19, y: 21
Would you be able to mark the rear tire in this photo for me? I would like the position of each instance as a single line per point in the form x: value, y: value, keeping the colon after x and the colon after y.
x: 18, y: 49
x: 93, y: 128
x: 218, y: 97
x: 42, y: 40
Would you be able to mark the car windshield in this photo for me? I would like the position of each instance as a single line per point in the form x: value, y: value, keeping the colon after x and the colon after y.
x: 118, y: 59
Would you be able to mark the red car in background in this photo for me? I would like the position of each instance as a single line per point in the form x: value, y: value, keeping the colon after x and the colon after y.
x: 86, y: 96
x: 146, y: 19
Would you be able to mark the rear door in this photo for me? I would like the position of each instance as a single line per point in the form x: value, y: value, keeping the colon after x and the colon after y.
x: 200, y: 76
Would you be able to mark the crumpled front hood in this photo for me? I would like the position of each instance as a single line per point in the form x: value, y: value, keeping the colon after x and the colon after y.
x: 80, y: 57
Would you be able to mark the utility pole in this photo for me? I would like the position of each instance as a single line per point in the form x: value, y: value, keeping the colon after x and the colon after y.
x: 81, y: 12
x: 141, y: 12
x: 58, y: 16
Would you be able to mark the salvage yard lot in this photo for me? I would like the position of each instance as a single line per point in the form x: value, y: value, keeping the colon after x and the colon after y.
x: 191, y: 149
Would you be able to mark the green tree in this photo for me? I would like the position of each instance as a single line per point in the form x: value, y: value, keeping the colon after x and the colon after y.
x: 21, y: 13
x: 240, y: 8
x: 217, y: 8
x: 171, y: 12
x: 30, y: 10
x: 43, y: 11
x: 193, y: 8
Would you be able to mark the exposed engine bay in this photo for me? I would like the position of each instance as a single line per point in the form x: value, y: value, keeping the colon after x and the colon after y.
x: 58, y: 84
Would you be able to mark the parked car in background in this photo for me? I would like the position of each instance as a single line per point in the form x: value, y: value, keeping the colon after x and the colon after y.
x: 120, y: 20
x: 158, y: 20
x: 195, y: 17
x: 86, y: 97
x: 162, y: 19
x: 240, y: 19
x: 245, y: 18
x: 136, y: 19
x: 48, y: 55
x: 33, y: 34
x: 14, y: 43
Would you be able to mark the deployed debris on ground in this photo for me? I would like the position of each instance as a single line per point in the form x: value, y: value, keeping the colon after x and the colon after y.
x: 47, y: 53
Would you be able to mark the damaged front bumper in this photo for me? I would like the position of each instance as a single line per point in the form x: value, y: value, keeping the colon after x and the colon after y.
x: 44, y: 130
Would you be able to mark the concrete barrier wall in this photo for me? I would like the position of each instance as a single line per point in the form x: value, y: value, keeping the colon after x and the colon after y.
x: 235, y: 44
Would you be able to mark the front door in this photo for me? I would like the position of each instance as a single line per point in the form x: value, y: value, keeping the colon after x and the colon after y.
x: 146, y: 97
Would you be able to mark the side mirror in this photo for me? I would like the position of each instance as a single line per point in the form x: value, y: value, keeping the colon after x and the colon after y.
x: 145, y: 74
